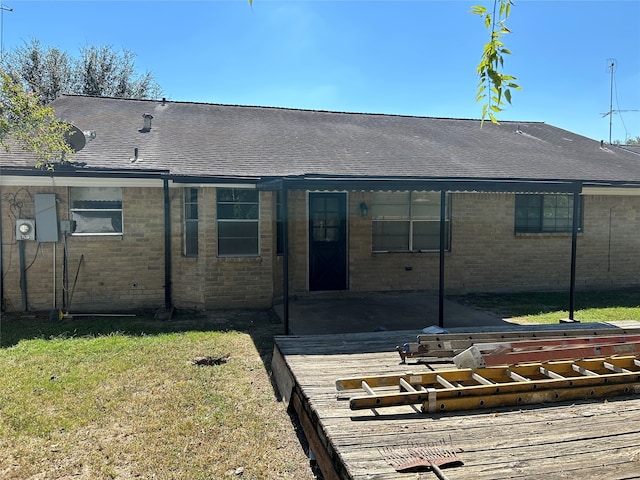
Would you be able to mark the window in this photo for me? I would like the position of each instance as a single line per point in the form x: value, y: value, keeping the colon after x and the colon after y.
x: 96, y: 210
x: 408, y: 221
x: 238, y: 218
x: 545, y: 213
x: 191, y: 222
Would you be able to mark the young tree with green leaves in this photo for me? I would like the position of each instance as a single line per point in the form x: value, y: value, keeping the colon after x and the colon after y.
x: 33, y: 76
x: 494, y: 87
x: 26, y: 122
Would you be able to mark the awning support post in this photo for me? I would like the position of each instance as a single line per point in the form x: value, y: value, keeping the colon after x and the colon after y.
x: 285, y: 257
x: 443, y: 211
x: 574, y: 246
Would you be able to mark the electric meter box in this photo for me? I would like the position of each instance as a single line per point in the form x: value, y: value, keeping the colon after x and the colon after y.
x: 25, y: 229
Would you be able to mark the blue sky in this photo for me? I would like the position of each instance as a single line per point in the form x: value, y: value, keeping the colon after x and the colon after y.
x: 398, y: 57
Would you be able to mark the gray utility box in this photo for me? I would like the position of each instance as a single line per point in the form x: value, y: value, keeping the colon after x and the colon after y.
x: 46, y: 217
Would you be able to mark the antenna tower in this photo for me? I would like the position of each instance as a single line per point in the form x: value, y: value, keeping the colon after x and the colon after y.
x: 612, y: 66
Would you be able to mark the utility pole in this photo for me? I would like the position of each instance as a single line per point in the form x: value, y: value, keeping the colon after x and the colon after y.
x: 2, y: 10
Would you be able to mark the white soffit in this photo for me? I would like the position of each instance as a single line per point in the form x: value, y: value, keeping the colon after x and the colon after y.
x: 624, y: 191
x: 38, y: 181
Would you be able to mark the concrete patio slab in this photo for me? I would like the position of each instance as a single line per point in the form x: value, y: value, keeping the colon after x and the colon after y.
x: 330, y: 313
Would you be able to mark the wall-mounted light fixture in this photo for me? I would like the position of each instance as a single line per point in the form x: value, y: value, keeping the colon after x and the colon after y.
x: 364, y: 210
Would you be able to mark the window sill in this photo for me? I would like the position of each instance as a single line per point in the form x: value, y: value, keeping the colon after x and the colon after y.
x: 544, y: 234
x: 408, y: 253
x: 236, y: 258
x: 87, y: 234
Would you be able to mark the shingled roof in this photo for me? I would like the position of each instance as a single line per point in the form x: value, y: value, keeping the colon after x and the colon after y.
x: 210, y: 140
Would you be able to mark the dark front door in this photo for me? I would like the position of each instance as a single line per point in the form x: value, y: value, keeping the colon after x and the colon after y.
x: 327, y: 241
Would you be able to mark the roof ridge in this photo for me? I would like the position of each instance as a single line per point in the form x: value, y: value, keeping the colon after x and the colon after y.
x: 292, y: 109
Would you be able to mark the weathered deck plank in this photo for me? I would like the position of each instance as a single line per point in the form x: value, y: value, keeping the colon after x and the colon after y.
x: 579, y: 440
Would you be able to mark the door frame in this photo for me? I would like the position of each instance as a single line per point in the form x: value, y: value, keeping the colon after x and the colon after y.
x: 346, y: 235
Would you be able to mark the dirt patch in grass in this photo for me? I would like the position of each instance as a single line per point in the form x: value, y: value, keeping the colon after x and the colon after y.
x: 120, y: 398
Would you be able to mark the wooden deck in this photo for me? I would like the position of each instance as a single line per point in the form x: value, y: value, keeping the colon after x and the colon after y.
x: 579, y: 440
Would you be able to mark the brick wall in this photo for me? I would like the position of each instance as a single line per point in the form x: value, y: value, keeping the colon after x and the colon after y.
x: 212, y: 282
x: 384, y: 271
x: 609, y: 250
x: 17, y: 203
x: 298, y: 242
x: 188, y: 287
x: 127, y: 272
x: 486, y: 254
x: 113, y: 272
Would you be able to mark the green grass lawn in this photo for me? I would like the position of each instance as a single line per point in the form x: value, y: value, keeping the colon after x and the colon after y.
x: 550, y: 307
x: 119, y: 397
x: 100, y: 398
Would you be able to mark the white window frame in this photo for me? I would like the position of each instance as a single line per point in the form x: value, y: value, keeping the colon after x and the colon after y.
x: 240, y: 219
x: 190, y: 222
x: 96, y: 211
x: 546, y: 213
x: 408, y: 211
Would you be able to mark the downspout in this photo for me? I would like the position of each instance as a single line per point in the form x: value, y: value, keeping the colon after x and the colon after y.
x: 443, y: 211
x: 574, y: 246
x: 285, y: 257
x: 1, y: 265
x: 167, y: 246
x: 23, y: 276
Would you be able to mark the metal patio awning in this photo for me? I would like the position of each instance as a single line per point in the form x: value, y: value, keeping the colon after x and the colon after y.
x: 443, y: 185
x: 313, y: 182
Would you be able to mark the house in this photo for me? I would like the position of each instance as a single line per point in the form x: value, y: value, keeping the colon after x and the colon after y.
x: 205, y: 206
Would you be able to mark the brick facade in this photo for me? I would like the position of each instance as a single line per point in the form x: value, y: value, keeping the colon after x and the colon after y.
x: 113, y: 272
x: 487, y: 256
x: 125, y: 272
